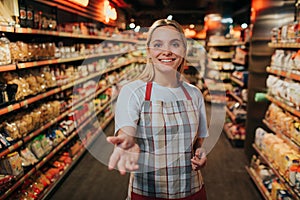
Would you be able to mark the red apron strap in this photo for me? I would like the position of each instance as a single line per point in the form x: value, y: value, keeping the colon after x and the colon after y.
x: 148, y: 91
x: 186, y: 93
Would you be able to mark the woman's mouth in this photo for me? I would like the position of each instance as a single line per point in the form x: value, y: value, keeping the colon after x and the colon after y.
x: 168, y: 60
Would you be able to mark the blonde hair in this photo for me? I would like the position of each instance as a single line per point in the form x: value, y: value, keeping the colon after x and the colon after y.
x: 148, y: 73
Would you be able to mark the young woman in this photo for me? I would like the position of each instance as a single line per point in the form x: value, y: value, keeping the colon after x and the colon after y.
x: 161, y: 123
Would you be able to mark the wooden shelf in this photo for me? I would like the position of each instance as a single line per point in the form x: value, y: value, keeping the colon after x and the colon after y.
x: 258, y: 182
x: 235, y: 142
x: 10, y: 108
x: 290, y: 141
x: 64, y: 60
x: 5, y: 68
x: 220, y: 57
x: 38, y: 97
x: 225, y: 44
x: 236, y: 61
x: 284, y: 45
x: 284, y: 73
x: 237, y: 98
x: 8, y: 29
x: 289, y: 188
x: 237, y: 81
x: 71, y: 35
x: 75, y: 159
x: 292, y: 110
x: 230, y: 114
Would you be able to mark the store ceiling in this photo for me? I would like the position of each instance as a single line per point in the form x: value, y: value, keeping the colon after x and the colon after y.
x: 185, y: 12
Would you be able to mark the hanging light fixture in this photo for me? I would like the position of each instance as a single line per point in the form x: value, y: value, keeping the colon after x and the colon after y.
x: 110, y: 13
x: 83, y: 3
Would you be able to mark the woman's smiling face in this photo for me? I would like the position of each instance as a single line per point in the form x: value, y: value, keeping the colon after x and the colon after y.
x: 166, y: 48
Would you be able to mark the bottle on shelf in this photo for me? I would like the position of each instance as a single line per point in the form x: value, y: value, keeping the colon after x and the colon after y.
x: 30, y: 17
x: 4, y: 50
x: 37, y: 19
x: 22, y: 13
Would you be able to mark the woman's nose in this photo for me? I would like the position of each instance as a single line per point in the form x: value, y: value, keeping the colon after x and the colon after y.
x: 166, y: 51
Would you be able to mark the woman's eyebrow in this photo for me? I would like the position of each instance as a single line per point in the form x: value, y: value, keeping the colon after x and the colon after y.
x: 156, y: 41
x: 173, y: 40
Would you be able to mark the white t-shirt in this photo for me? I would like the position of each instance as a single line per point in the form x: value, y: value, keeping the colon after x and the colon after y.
x: 132, y: 95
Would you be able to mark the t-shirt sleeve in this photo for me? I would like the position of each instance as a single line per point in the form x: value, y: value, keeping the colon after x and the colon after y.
x: 127, y: 109
x: 202, y: 129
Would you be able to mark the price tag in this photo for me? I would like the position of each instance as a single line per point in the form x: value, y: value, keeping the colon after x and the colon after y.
x: 10, y: 108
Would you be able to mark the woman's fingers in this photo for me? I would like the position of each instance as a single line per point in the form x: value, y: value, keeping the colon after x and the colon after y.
x: 114, y: 158
x: 114, y: 140
x: 121, y: 165
x: 125, y: 160
x: 198, y: 163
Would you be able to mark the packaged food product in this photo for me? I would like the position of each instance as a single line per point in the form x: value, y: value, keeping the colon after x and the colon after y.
x: 46, y: 144
x: 11, y: 164
x: 28, y: 157
x: 5, y: 57
x: 36, y: 148
x: 12, y: 130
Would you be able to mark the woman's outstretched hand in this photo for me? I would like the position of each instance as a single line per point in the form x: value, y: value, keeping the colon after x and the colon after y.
x: 125, y: 154
x: 199, y: 159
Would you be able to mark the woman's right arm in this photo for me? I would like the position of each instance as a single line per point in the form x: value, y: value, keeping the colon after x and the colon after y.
x: 126, y: 151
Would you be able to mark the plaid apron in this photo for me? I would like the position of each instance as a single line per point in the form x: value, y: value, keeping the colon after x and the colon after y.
x: 166, y: 133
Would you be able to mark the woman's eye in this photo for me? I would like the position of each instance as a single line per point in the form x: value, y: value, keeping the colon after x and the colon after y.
x: 157, y: 45
x: 175, y: 44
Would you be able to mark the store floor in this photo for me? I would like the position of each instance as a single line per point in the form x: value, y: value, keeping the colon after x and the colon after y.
x: 225, y: 177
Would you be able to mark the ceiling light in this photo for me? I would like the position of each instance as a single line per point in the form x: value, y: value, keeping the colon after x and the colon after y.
x: 131, y: 25
x: 170, y: 17
x: 244, y: 25
x: 137, y: 29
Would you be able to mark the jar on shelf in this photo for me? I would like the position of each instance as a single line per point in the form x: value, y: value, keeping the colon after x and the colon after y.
x: 5, y: 57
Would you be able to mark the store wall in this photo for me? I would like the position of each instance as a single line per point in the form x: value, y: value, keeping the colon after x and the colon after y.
x: 266, y: 15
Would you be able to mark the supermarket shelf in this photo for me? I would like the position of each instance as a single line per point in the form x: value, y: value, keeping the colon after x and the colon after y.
x: 284, y: 45
x: 71, y: 35
x: 39, y: 97
x: 228, y: 133
x: 5, y: 68
x: 36, y: 132
x: 76, y: 158
x: 290, y: 141
x: 224, y: 44
x: 17, y: 184
x: 9, y: 29
x: 55, y: 150
x: 50, y: 188
x: 284, y: 73
x: 240, y: 100
x: 291, y: 190
x: 31, y: 100
x: 10, y: 108
x: 258, y: 182
x: 64, y: 60
x: 236, y: 142
x: 225, y: 57
x: 237, y: 81
x: 236, y: 61
x: 44, y: 160
x: 230, y: 114
x: 292, y: 110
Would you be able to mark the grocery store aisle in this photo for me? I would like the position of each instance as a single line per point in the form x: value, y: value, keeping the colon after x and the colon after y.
x: 225, y: 177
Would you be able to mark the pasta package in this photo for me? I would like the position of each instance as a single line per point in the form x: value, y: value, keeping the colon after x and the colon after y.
x: 12, y: 165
